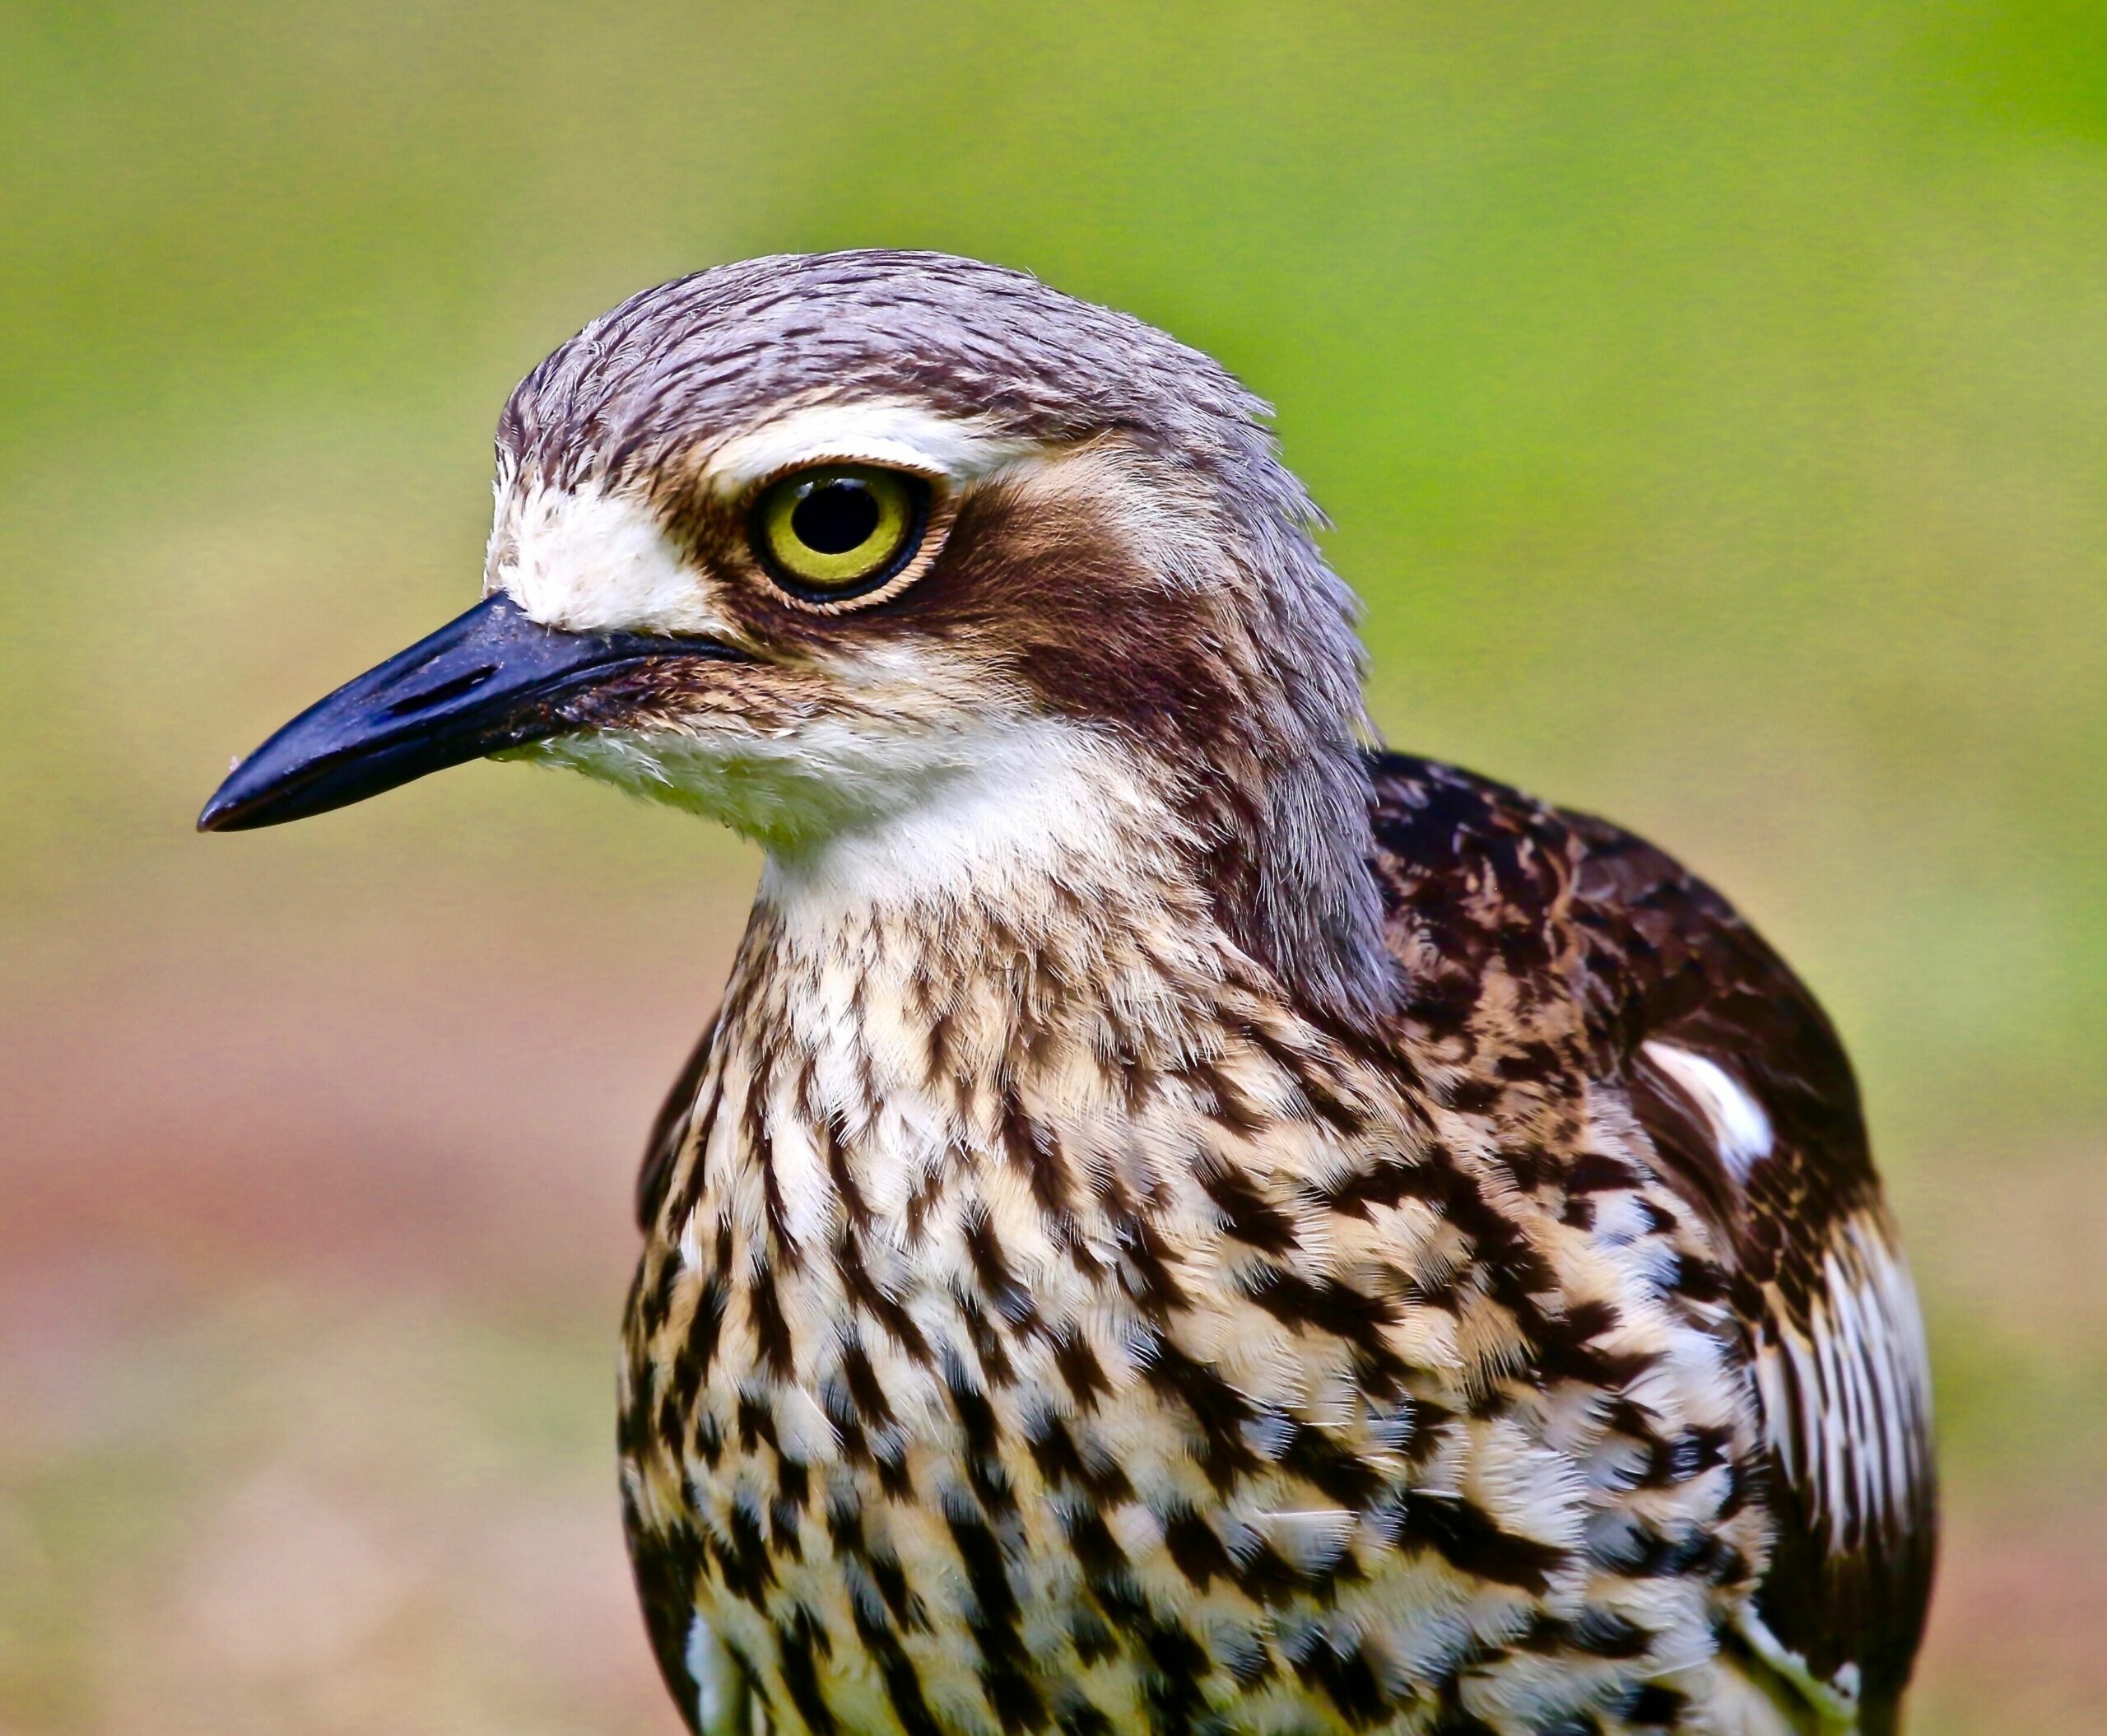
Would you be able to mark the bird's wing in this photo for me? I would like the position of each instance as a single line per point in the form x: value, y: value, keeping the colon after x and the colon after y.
x: 669, y: 1129
x: 1737, y: 1075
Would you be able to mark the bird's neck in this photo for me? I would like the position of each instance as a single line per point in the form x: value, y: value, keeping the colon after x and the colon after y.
x: 1026, y: 988
x: 1053, y: 848
x: 1053, y: 871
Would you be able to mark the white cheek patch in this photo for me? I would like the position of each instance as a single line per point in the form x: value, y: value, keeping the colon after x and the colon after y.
x: 593, y: 562
x: 1740, y: 1129
x: 877, y: 431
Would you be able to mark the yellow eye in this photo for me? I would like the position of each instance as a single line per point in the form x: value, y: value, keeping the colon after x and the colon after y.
x: 839, y: 530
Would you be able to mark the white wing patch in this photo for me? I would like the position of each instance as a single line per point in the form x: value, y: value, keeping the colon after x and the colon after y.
x: 1739, y: 1128
x: 1847, y: 1409
x: 720, y: 1696
x: 1835, y: 1704
x: 1847, y: 1402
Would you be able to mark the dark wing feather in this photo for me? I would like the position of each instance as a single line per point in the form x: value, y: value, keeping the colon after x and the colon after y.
x: 669, y: 1129
x: 1738, y: 1076
x: 1674, y: 973
x: 663, y: 1563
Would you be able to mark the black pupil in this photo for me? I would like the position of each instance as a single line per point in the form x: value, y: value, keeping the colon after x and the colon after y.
x: 835, y: 517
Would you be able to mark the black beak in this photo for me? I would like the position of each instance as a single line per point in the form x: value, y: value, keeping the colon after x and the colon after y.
x: 490, y: 680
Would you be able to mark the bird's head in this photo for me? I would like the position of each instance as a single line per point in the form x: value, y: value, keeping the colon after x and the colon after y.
x: 909, y: 559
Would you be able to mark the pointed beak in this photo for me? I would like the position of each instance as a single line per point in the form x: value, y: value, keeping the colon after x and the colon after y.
x: 490, y: 680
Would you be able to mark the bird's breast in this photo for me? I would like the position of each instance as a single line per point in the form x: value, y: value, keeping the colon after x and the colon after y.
x: 965, y: 1397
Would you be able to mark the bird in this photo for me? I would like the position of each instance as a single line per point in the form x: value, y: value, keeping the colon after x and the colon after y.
x: 1184, y: 1219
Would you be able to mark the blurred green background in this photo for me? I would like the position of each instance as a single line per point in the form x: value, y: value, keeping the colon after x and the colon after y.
x: 1710, y: 400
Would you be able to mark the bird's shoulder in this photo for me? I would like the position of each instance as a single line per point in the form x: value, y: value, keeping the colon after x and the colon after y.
x: 669, y: 1129
x: 1740, y: 1084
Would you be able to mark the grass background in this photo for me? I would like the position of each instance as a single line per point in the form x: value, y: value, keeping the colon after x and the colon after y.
x: 1708, y: 398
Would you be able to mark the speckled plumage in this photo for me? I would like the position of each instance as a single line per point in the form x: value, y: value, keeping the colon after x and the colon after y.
x: 1283, y: 1376
x: 1183, y: 1221
x: 1060, y: 1310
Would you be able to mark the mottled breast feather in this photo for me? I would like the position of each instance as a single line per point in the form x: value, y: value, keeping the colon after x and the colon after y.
x: 1075, y: 1328
x: 1671, y: 971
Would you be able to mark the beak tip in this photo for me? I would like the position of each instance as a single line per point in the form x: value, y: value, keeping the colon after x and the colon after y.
x: 220, y: 814
x: 242, y: 802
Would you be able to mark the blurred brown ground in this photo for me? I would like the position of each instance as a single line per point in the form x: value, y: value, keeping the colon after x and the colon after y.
x: 1711, y: 403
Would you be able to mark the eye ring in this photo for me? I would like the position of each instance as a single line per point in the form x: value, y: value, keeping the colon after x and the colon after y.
x: 835, y: 532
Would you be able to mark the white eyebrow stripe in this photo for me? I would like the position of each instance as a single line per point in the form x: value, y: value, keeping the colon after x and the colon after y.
x: 1739, y: 1126
x: 874, y: 430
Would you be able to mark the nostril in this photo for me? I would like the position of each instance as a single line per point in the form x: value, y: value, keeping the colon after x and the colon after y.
x: 425, y: 699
